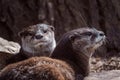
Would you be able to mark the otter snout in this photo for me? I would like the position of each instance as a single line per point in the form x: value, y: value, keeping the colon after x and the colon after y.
x: 101, y: 34
x: 38, y: 36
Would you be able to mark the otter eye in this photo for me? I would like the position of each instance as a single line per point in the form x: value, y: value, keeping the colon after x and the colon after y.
x: 30, y: 33
x: 87, y: 33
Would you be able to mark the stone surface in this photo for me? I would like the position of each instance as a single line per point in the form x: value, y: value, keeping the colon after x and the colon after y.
x: 105, y: 75
x: 9, y: 46
x: 99, y: 64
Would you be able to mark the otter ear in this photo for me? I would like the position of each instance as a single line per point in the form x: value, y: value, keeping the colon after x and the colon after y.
x: 52, y: 28
x: 21, y: 33
x: 72, y: 37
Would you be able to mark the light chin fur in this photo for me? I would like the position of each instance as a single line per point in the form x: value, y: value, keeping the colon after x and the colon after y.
x: 39, y: 50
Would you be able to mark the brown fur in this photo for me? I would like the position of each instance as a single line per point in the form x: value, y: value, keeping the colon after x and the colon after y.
x: 38, y: 69
x: 71, y: 59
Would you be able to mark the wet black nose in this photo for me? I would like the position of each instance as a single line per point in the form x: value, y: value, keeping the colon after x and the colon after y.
x: 38, y: 36
x: 101, y: 34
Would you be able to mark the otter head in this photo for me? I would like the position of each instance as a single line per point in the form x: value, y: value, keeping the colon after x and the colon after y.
x: 38, y: 40
x: 86, y: 40
x: 82, y: 41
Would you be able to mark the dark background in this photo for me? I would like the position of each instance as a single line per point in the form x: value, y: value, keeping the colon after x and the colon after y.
x: 64, y: 15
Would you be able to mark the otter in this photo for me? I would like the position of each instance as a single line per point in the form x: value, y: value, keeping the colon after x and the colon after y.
x: 36, y: 40
x: 69, y: 61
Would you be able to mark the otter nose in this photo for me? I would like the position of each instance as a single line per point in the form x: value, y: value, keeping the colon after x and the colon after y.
x: 38, y: 36
x: 101, y: 34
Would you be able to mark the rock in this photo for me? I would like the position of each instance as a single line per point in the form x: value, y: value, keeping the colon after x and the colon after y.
x: 99, y: 64
x: 9, y: 46
x: 105, y: 75
x: 7, y: 50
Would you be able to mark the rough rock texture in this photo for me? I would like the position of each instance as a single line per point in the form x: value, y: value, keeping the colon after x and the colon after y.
x: 7, y: 50
x: 105, y: 75
x: 64, y: 15
x: 9, y: 46
x: 104, y: 69
x: 98, y: 64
